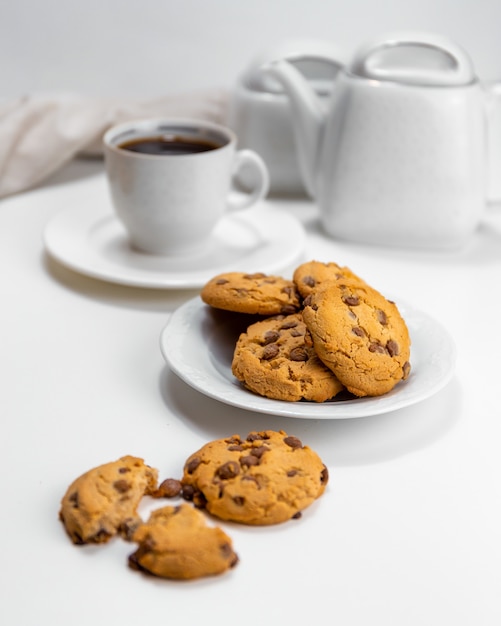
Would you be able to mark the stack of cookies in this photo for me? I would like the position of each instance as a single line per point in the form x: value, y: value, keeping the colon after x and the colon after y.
x: 323, y: 332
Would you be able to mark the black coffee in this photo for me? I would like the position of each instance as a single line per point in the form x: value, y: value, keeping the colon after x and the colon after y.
x: 169, y: 144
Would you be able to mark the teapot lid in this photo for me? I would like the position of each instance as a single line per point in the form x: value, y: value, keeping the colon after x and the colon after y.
x: 413, y: 58
x: 318, y: 61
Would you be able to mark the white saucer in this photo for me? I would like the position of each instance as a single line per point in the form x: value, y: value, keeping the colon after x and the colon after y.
x: 198, y: 344
x: 89, y: 239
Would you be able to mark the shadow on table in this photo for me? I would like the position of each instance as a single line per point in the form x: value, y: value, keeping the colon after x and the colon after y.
x: 483, y: 247
x: 118, y: 295
x: 343, y: 442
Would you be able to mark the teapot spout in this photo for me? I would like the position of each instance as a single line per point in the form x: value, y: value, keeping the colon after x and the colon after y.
x: 307, y: 117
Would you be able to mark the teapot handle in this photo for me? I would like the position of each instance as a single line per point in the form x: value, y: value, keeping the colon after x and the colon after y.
x: 414, y: 58
x: 299, y: 51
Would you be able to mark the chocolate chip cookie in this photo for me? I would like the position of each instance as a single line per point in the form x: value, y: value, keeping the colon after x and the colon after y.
x: 360, y: 335
x: 251, y: 293
x: 312, y: 274
x: 176, y: 542
x: 102, y: 502
x: 267, y: 478
x: 275, y: 358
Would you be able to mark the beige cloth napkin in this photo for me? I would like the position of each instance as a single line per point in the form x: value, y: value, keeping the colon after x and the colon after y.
x: 40, y: 133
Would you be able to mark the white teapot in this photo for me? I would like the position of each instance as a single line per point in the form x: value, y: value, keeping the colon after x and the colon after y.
x: 400, y: 156
x: 259, y: 111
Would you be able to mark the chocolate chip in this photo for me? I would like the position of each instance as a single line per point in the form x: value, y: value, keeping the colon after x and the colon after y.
x: 298, y: 354
x: 393, y: 348
x: 227, y: 553
x: 228, y: 470
x: 377, y: 348
x: 289, y: 290
x: 233, y: 439
x: 406, y: 369
x: 307, y: 300
x: 292, y: 473
x: 309, y: 281
x: 249, y: 461
x: 351, y: 300
x: 293, y: 442
x: 101, y: 536
x: 169, y: 488
x: 248, y: 477
x: 292, y: 323
x: 192, y: 465
x: 381, y: 315
x: 359, y: 332
x: 235, y: 447
x: 123, y: 470
x: 222, y: 281
x: 288, y: 309
x: 133, y: 562
x: 128, y: 527
x: 199, y: 500
x: 188, y: 491
x: 145, y: 547
x: 270, y: 336
x: 122, y: 486
x: 270, y: 352
x: 295, y: 332
x: 258, y: 451
x: 297, y: 515
x: 226, y: 550
x: 238, y: 500
x: 324, y: 476
x: 257, y: 436
x: 77, y: 539
x: 74, y: 499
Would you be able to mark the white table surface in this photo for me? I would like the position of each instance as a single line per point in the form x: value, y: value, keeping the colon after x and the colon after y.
x: 408, y: 531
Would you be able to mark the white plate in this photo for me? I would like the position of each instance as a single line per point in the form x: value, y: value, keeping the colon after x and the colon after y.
x: 89, y: 239
x: 198, y: 344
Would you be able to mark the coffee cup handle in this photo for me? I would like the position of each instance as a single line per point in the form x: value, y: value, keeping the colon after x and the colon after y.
x: 261, y: 179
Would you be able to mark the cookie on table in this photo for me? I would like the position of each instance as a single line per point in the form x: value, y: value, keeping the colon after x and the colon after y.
x: 103, y: 502
x: 360, y: 335
x: 275, y: 358
x: 266, y: 478
x: 251, y: 293
x: 312, y: 274
x: 176, y: 542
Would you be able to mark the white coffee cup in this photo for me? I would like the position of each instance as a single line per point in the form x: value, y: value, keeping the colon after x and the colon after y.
x: 170, y: 201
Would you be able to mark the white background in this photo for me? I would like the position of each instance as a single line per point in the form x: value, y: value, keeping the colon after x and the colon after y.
x: 153, y: 47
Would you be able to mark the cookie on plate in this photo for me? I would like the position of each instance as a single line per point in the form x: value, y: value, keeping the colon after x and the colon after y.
x: 275, y: 358
x: 176, y: 542
x: 103, y: 502
x: 266, y: 478
x: 251, y: 293
x: 360, y: 335
x: 312, y: 274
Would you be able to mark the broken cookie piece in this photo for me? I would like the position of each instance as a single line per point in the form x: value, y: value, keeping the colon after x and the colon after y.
x: 103, y: 502
x: 176, y: 542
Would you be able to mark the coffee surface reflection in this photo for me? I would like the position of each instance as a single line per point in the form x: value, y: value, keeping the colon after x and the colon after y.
x: 169, y: 145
